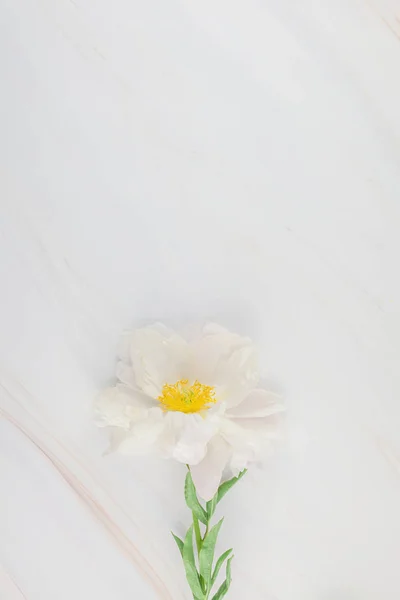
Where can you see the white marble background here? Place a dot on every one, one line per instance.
(186, 160)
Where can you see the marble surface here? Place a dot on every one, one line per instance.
(190, 160)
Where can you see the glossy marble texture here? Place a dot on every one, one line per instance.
(185, 160)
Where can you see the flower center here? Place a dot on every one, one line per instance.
(183, 397)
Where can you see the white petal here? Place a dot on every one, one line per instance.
(186, 436)
(236, 435)
(144, 434)
(207, 474)
(159, 356)
(240, 460)
(249, 438)
(212, 345)
(118, 406)
(245, 444)
(263, 427)
(258, 403)
(227, 361)
(116, 435)
(125, 374)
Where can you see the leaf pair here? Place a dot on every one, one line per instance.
(194, 578)
(224, 587)
(219, 564)
(201, 576)
(193, 502)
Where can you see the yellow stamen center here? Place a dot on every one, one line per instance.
(183, 397)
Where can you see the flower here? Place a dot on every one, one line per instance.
(193, 400)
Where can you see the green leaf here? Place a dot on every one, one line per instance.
(197, 532)
(228, 572)
(190, 566)
(203, 585)
(192, 501)
(218, 566)
(226, 486)
(223, 589)
(179, 542)
(211, 505)
(207, 553)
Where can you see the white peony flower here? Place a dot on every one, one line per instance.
(193, 400)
